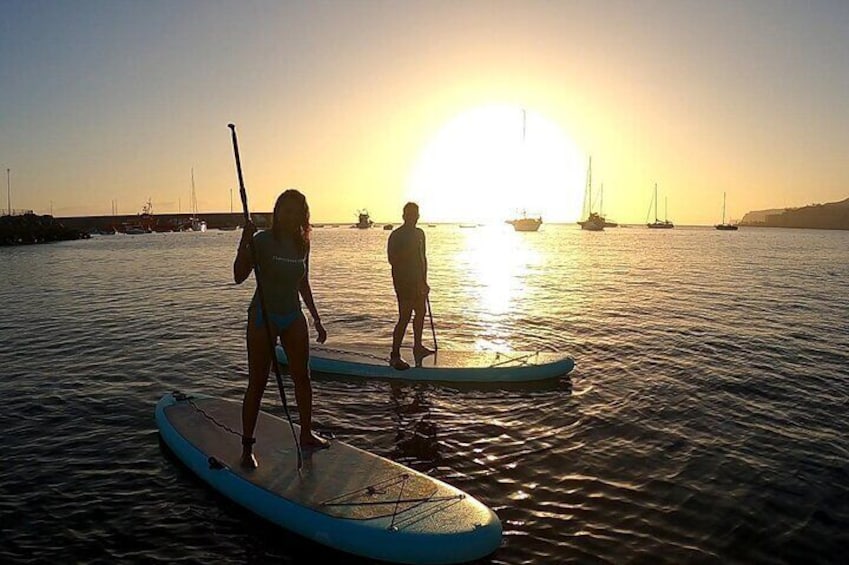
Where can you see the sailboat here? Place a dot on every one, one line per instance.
(723, 226)
(665, 224)
(594, 221)
(525, 222)
(197, 223)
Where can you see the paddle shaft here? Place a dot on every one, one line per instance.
(266, 319)
(432, 328)
(422, 260)
(422, 270)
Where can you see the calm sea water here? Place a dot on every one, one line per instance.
(705, 421)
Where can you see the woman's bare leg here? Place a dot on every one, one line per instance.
(295, 341)
(259, 362)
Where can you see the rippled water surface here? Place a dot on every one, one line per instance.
(705, 421)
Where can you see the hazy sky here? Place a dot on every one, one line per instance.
(366, 104)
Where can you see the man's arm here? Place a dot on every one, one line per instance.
(421, 248)
(424, 256)
(391, 252)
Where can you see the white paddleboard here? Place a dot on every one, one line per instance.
(442, 366)
(343, 497)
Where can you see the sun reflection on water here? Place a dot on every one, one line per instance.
(495, 261)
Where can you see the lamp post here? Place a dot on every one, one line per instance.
(9, 189)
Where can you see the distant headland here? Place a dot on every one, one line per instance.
(830, 216)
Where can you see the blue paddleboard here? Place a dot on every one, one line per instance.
(443, 366)
(343, 497)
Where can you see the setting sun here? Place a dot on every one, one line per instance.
(494, 162)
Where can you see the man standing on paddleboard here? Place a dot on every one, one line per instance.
(408, 257)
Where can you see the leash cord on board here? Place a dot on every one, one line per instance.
(180, 396)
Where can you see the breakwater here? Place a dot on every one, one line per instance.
(161, 222)
(29, 228)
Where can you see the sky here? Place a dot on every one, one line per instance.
(477, 110)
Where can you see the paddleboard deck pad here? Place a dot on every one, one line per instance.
(443, 366)
(342, 497)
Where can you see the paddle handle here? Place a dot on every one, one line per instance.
(242, 192)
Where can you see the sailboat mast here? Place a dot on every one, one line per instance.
(524, 124)
(723, 207)
(194, 198)
(656, 219)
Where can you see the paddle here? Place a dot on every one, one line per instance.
(427, 298)
(261, 296)
(432, 329)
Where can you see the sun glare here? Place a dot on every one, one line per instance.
(492, 265)
(494, 162)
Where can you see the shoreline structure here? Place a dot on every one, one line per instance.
(26, 227)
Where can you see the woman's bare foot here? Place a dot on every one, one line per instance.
(397, 363)
(421, 352)
(312, 442)
(248, 460)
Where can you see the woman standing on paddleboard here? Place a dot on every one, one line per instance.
(283, 268)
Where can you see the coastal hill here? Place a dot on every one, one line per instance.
(830, 216)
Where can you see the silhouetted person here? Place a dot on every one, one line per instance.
(283, 254)
(408, 257)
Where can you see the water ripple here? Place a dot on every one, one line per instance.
(703, 423)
